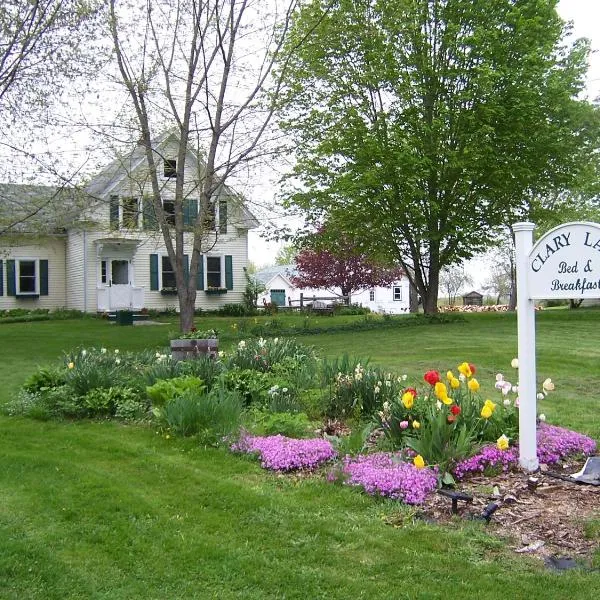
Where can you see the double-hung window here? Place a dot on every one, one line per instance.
(167, 274)
(214, 272)
(27, 277)
(397, 293)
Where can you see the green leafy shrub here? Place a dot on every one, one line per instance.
(166, 390)
(44, 378)
(251, 385)
(294, 425)
(130, 409)
(107, 401)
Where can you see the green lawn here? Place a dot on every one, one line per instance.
(101, 510)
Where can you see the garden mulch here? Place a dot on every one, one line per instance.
(547, 520)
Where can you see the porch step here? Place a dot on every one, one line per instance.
(112, 316)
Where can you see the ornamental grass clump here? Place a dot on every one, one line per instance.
(280, 453)
(385, 474)
(262, 354)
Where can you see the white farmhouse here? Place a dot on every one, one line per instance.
(280, 290)
(102, 251)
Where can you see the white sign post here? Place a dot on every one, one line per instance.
(564, 264)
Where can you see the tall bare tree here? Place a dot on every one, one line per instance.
(203, 68)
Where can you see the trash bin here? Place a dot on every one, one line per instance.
(124, 317)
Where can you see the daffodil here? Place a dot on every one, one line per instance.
(418, 461)
(502, 442)
(71, 365)
(416, 424)
(514, 363)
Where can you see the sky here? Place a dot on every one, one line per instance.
(585, 15)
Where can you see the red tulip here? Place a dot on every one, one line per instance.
(455, 409)
(432, 377)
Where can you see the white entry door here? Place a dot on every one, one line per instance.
(120, 284)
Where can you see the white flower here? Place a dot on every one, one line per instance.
(506, 387)
(275, 340)
(462, 377)
(515, 389)
(83, 352)
(158, 355)
(388, 383)
(542, 417)
(284, 390)
(514, 363)
(241, 345)
(499, 377)
(221, 354)
(439, 405)
(404, 377)
(548, 386)
(261, 342)
(386, 406)
(540, 396)
(377, 389)
(103, 350)
(117, 361)
(116, 351)
(507, 402)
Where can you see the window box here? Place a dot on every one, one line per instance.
(215, 291)
(27, 296)
(168, 292)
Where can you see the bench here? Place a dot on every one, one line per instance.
(318, 306)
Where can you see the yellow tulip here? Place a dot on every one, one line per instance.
(408, 400)
(465, 369)
(416, 424)
(454, 383)
(486, 412)
(440, 390)
(473, 384)
(502, 442)
(450, 376)
(446, 400)
(418, 461)
(491, 405)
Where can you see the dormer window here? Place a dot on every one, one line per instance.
(170, 168)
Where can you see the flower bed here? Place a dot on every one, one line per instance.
(554, 444)
(280, 453)
(384, 474)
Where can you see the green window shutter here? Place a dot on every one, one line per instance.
(1, 278)
(190, 211)
(43, 277)
(154, 271)
(11, 278)
(114, 212)
(200, 274)
(186, 268)
(150, 221)
(229, 272)
(223, 216)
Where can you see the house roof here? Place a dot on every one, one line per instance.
(473, 294)
(120, 169)
(286, 271)
(39, 208)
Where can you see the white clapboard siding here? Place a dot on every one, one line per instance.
(51, 249)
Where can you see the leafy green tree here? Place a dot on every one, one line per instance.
(286, 255)
(420, 126)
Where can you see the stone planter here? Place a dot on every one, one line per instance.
(189, 349)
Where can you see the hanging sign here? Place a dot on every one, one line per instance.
(565, 263)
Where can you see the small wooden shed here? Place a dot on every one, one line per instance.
(473, 299)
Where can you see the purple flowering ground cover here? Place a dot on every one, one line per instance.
(554, 444)
(280, 453)
(380, 474)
